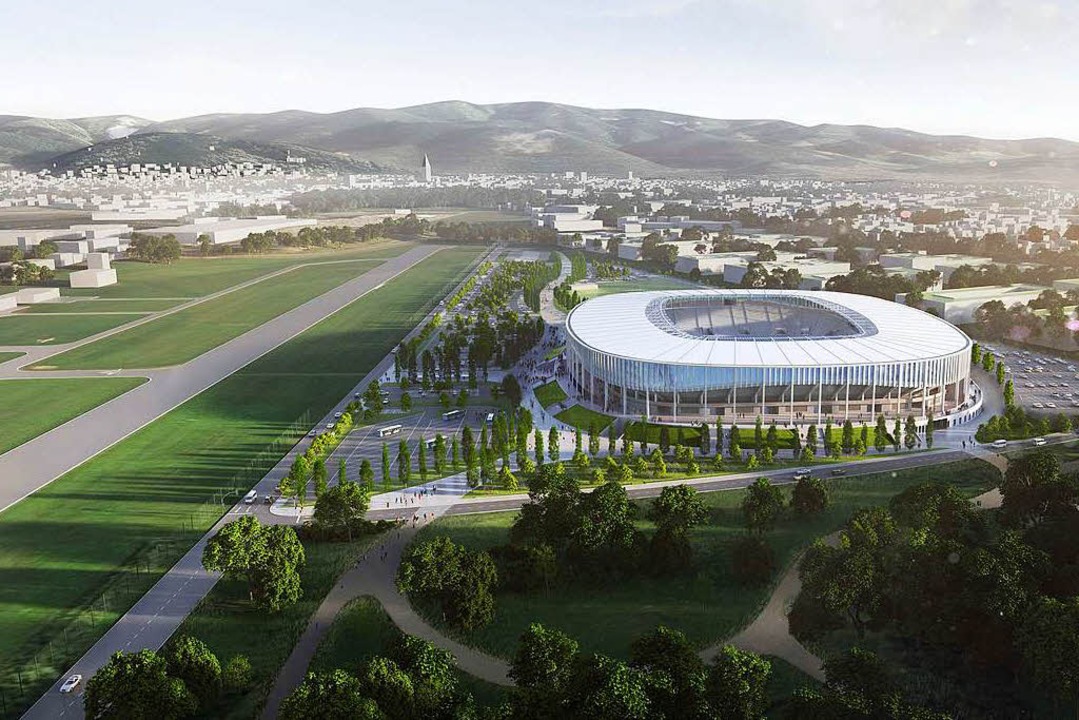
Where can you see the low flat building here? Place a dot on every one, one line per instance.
(35, 295)
(958, 306)
(231, 230)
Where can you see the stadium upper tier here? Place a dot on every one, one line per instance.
(789, 353)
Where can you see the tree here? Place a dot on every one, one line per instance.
(735, 443)
(190, 660)
(848, 437)
(705, 443)
(404, 463)
(237, 550)
(541, 669)
(737, 684)
(1048, 641)
(664, 439)
(538, 449)
(421, 456)
(811, 439)
(552, 444)
(810, 497)
(237, 674)
(659, 465)
(511, 389)
(910, 435)
(677, 509)
(897, 434)
(593, 440)
(880, 434)
(600, 688)
(1009, 394)
(386, 464)
(406, 402)
(277, 583)
(929, 420)
(319, 475)
(137, 685)
(334, 695)
(753, 562)
(762, 506)
(341, 506)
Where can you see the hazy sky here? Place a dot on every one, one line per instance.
(1002, 68)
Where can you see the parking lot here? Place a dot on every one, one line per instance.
(1044, 383)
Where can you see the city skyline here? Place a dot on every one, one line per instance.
(989, 68)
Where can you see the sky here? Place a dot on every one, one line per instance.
(994, 68)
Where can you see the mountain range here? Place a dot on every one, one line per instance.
(546, 137)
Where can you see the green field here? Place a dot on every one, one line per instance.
(180, 336)
(226, 622)
(195, 277)
(94, 305)
(609, 287)
(363, 630)
(5, 356)
(550, 393)
(55, 329)
(62, 545)
(32, 407)
(582, 417)
(707, 605)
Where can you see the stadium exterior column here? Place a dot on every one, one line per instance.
(792, 397)
(846, 410)
(820, 395)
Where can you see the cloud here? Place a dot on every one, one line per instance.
(631, 9)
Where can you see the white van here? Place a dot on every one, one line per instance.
(1000, 444)
(1039, 441)
(250, 497)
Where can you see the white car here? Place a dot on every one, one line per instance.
(1038, 405)
(1050, 405)
(71, 683)
(337, 416)
(1039, 441)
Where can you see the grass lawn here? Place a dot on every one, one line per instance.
(95, 305)
(582, 417)
(363, 630)
(192, 277)
(54, 329)
(226, 622)
(608, 287)
(550, 393)
(188, 333)
(60, 547)
(32, 407)
(5, 356)
(707, 604)
(554, 352)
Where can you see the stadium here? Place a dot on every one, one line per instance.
(795, 357)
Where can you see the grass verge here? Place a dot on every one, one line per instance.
(32, 407)
(57, 329)
(550, 393)
(581, 417)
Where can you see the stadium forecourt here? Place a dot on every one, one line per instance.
(795, 357)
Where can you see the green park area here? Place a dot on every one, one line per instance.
(705, 602)
(21, 329)
(550, 393)
(180, 336)
(6, 356)
(230, 625)
(32, 407)
(581, 417)
(118, 521)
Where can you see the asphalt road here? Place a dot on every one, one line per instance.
(38, 462)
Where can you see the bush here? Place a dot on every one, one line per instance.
(237, 674)
(753, 562)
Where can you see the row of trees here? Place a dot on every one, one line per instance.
(986, 601)
(154, 249)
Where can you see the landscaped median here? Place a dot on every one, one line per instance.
(579, 416)
(62, 544)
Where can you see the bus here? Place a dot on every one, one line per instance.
(430, 443)
(490, 418)
(452, 414)
(389, 430)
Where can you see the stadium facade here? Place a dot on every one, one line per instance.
(795, 357)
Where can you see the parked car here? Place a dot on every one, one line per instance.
(71, 683)
(1039, 441)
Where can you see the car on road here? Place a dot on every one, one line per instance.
(337, 416)
(329, 426)
(839, 471)
(999, 444)
(802, 474)
(71, 683)
(1039, 441)
(313, 433)
(250, 497)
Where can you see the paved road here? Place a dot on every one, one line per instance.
(45, 458)
(157, 615)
